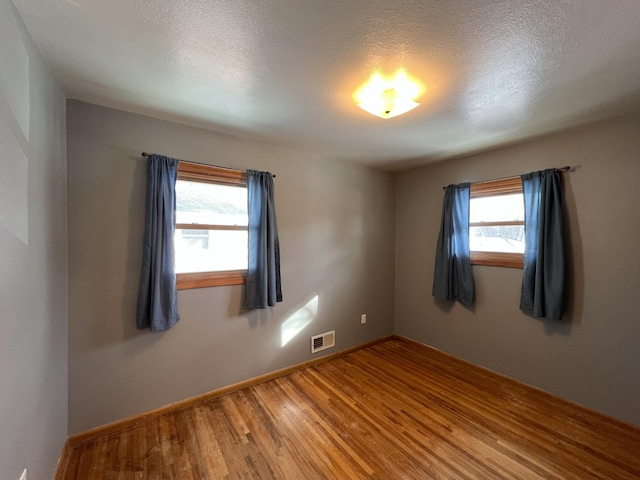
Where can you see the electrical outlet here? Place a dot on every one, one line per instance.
(363, 318)
(24, 475)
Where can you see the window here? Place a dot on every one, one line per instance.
(211, 226)
(496, 223)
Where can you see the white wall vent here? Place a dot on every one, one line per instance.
(323, 341)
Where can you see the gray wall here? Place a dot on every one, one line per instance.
(593, 356)
(33, 257)
(336, 224)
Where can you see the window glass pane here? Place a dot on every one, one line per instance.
(210, 250)
(497, 239)
(210, 204)
(497, 208)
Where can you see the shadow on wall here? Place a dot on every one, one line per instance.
(574, 293)
(445, 306)
(15, 127)
(135, 229)
(575, 270)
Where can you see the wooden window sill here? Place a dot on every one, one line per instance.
(498, 259)
(186, 281)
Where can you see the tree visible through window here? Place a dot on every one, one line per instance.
(496, 223)
(211, 226)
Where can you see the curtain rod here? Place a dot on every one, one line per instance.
(145, 154)
(566, 168)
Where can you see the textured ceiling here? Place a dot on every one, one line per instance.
(284, 71)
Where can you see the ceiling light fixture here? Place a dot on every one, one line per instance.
(388, 97)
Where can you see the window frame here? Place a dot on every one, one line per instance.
(493, 188)
(195, 172)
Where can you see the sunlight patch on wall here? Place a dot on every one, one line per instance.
(298, 320)
(14, 199)
(14, 81)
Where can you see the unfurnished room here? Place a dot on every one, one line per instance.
(278, 239)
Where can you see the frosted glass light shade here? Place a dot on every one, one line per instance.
(387, 98)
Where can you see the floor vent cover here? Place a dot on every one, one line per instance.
(323, 341)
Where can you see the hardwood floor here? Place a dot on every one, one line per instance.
(396, 410)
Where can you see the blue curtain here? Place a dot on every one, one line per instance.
(263, 275)
(543, 281)
(453, 276)
(157, 296)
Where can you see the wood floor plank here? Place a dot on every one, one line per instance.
(290, 447)
(394, 410)
(112, 445)
(86, 460)
(373, 435)
(213, 461)
(438, 413)
(386, 416)
(169, 447)
(323, 424)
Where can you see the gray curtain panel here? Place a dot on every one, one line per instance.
(543, 281)
(453, 275)
(157, 297)
(263, 275)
